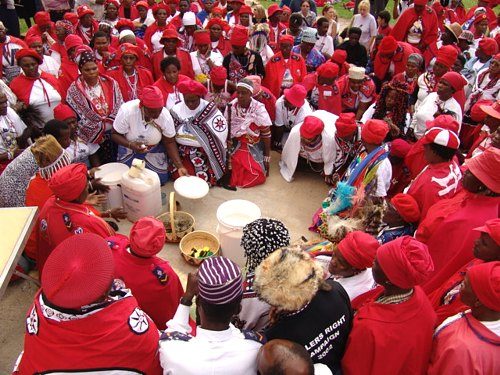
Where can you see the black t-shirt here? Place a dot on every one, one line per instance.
(356, 54)
(322, 327)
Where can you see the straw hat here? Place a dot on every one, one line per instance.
(357, 73)
(455, 29)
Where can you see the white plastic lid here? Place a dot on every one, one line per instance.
(191, 187)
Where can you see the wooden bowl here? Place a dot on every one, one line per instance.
(198, 239)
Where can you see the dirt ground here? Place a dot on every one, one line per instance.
(293, 203)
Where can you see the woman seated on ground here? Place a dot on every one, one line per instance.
(170, 67)
(392, 107)
(143, 129)
(201, 134)
(250, 124)
(414, 67)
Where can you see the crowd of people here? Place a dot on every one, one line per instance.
(400, 118)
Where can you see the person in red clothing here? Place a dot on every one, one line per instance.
(418, 26)
(285, 68)
(446, 300)
(468, 343)
(323, 90)
(151, 279)
(153, 34)
(339, 57)
(276, 28)
(87, 25)
(128, 10)
(171, 47)
(490, 117)
(440, 178)
(131, 78)
(264, 95)
(44, 28)
(217, 28)
(400, 172)
(64, 214)
(383, 19)
(69, 71)
(398, 306)
(447, 229)
(490, 14)
(81, 320)
(170, 67)
(357, 91)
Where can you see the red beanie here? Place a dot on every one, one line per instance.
(192, 87)
(42, 18)
(456, 80)
(407, 207)
(202, 37)
(346, 124)
(328, 70)
(286, 39)
(63, 112)
(28, 52)
(69, 182)
(339, 56)
(359, 249)
(78, 272)
(485, 283)
(489, 46)
(311, 127)
(447, 55)
(218, 75)
(374, 131)
(444, 122)
(152, 97)
(239, 37)
(405, 261)
(399, 148)
(388, 45)
(147, 237)
(492, 227)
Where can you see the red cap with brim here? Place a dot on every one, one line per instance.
(491, 227)
(442, 137)
(476, 112)
(311, 127)
(296, 95)
(485, 167)
(492, 110)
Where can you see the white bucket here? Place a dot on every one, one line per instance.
(233, 215)
(111, 175)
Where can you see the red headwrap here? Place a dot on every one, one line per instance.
(116, 3)
(447, 55)
(311, 127)
(388, 45)
(78, 272)
(485, 167)
(405, 261)
(273, 8)
(245, 9)
(407, 207)
(33, 39)
(169, 33)
(479, 18)
(63, 112)
(218, 75)
(124, 23)
(346, 124)
(142, 3)
(217, 21)
(42, 18)
(202, 37)
(339, 56)
(152, 97)
(485, 282)
(28, 52)
(286, 39)
(489, 46)
(192, 87)
(476, 113)
(72, 41)
(239, 37)
(359, 249)
(147, 237)
(71, 17)
(399, 148)
(129, 49)
(83, 10)
(69, 182)
(328, 70)
(296, 95)
(445, 122)
(159, 6)
(492, 227)
(420, 2)
(456, 80)
(374, 131)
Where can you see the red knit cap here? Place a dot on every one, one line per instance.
(456, 80)
(339, 56)
(444, 122)
(151, 97)
(476, 112)
(202, 37)
(485, 282)
(124, 23)
(405, 261)
(32, 40)
(407, 207)
(42, 18)
(359, 249)
(399, 148)
(218, 75)
(346, 124)
(286, 39)
(63, 112)
(485, 167)
(447, 55)
(311, 127)
(489, 46)
(69, 182)
(388, 45)
(296, 95)
(374, 131)
(28, 52)
(147, 237)
(192, 87)
(78, 272)
(491, 227)
(328, 70)
(239, 37)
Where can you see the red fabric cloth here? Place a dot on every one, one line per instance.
(415, 159)
(246, 171)
(484, 280)
(427, 188)
(68, 73)
(376, 333)
(374, 131)
(166, 88)
(192, 87)
(53, 229)
(267, 98)
(147, 237)
(346, 124)
(400, 178)
(35, 31)
(384, 31)
(152, 281)
(400, 58)
(184, 59)
(311, 127)
(134, 13)
(448, 232)
(69, 182)
(359, 249)
(22, 85)
(275, 69)
(407, 207)
(465, 346)
(328, 96)
(143, 75)
(224, 46)
(80, 344)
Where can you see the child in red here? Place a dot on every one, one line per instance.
(151, 279)
(383, 19)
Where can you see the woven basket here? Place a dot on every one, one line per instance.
(198, 239)
(168, 220)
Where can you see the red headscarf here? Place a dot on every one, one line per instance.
(147, 237)
(346, 124)
(407, 207)
(152, 97)
(311, 127)
(192, 87)
(485, 282)
(69, 182)
(374, 131)
(359, 249)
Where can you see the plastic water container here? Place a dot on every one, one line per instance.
(142, 194)
(232, 216)
(111, 175)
